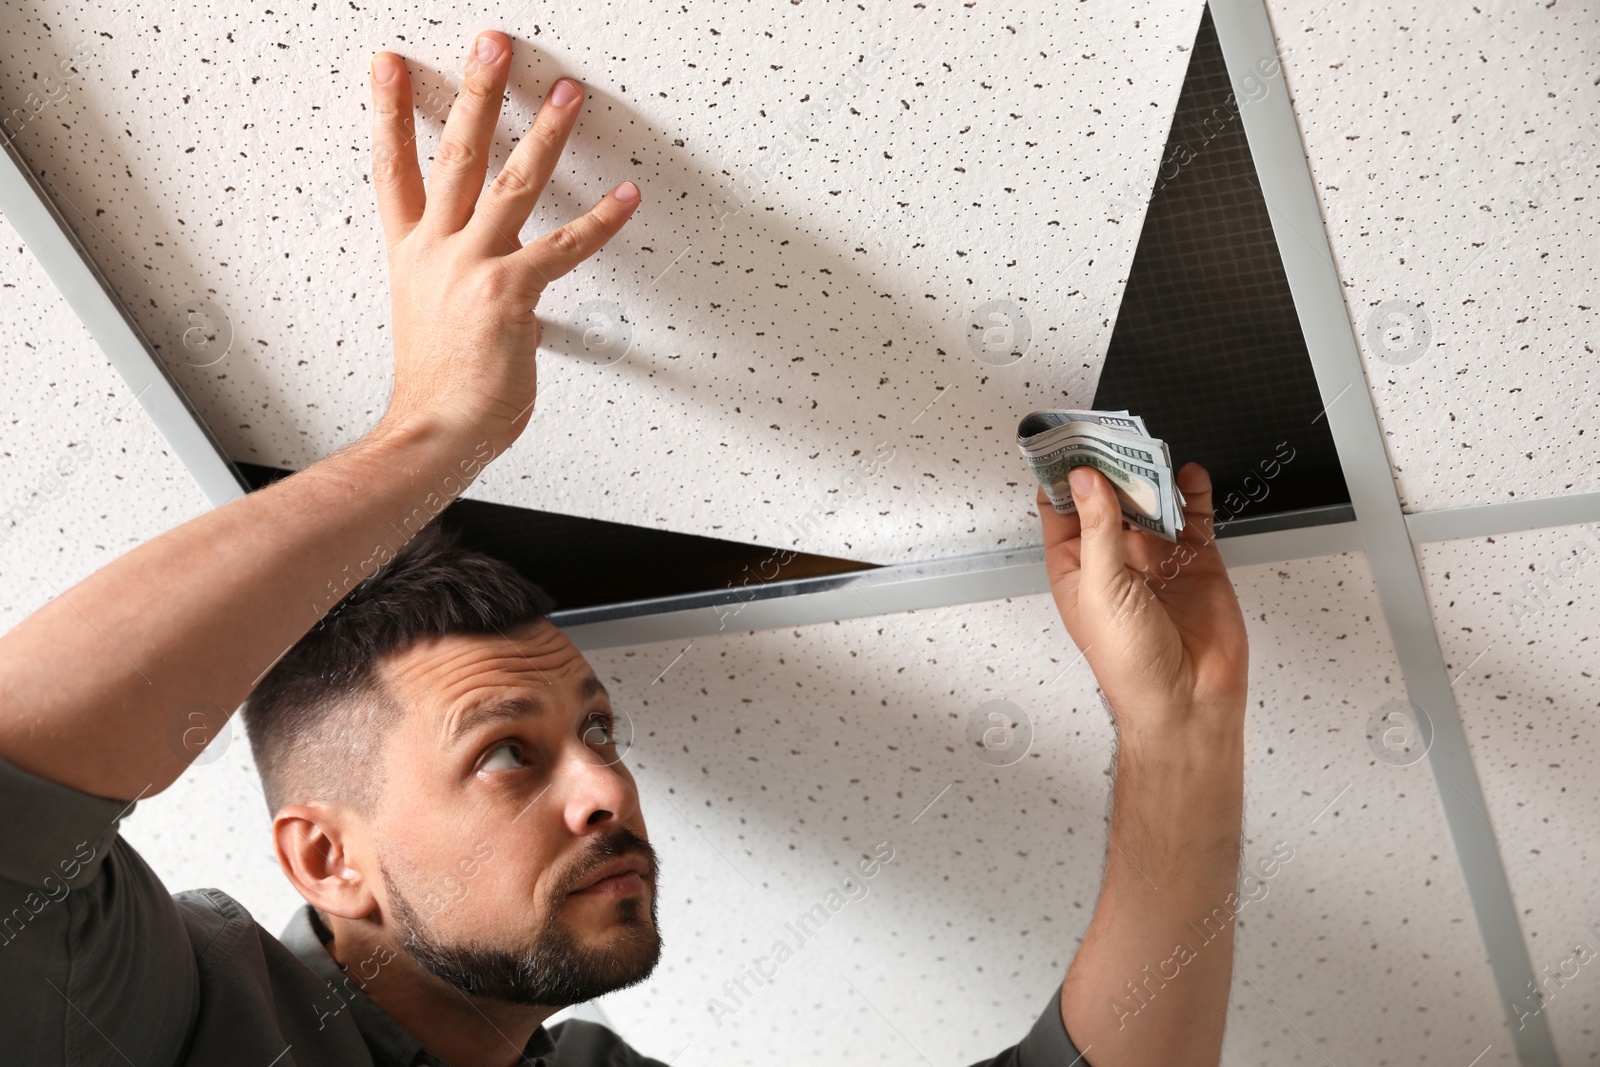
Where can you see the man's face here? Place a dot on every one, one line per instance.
(509, 838)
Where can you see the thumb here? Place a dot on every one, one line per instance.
(1100, 515)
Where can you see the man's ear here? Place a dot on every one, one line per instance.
(314, 846)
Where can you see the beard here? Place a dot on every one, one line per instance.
(554, 969)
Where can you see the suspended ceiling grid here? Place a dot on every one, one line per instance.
(1312, 784)
(1458, 661)
(784, 319)
(1315, 641)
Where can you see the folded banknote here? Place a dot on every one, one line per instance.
(1115, 443)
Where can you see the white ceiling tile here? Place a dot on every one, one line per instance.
(1371, 948)
(783, 328)
(84, 475)
(1455, 156)
(1519, 615)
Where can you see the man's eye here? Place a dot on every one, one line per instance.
(598, 732)
(495, 763)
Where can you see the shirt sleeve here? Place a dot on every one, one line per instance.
(1046, 1045)
(95, 962)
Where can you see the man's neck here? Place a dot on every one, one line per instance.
(464, 1031)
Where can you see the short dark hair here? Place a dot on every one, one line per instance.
(318, 720)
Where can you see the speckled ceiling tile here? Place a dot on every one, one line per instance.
(831, 192)
(1373, 949)
(1519, 615)
(84, 474)
(1455, 154)
(770, 763)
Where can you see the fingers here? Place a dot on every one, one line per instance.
(1057, 527)
(395, 175)
(1100, 519)
(1198, 514)
(462, 159)
(504, 207)
(557, 252)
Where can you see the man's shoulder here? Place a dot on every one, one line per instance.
(580, 1043)
(223, 935)
(229, 944)
(222, 931)
(261, 987)
(209, 911)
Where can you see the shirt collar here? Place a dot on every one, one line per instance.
(391, 1044)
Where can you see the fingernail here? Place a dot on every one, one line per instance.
(627, 192)
(1081, 480)
(488, 48)
(384, 68)
(563, 94)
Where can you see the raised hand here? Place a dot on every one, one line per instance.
(463, 287)
(1161, 628)
(1159, 624)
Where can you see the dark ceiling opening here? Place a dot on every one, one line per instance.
(1207, 346)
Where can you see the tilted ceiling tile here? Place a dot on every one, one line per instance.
(832, 196)
(1520, 618)
(1455, 157)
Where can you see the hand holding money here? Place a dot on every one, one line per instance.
(1160, 627)
(1116, 444)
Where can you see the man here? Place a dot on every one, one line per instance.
(446, 793)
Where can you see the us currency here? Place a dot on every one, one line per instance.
(1118, 445)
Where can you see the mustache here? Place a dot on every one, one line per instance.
(614, 845)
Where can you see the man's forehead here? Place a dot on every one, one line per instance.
(441, 671)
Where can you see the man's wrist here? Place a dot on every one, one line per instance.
(1194, 732)
(416, 437)
(429, 448)
(1189, 780)
(403, 472)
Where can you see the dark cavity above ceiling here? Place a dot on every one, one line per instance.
(1207, 346)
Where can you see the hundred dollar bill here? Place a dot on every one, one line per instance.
(1038, 427)
(1117, 444)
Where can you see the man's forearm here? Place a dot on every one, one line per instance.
(97, 686)
(1150, 982)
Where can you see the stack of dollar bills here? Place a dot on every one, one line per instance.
(1116, 444)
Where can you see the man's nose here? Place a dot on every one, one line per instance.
(598, 791)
